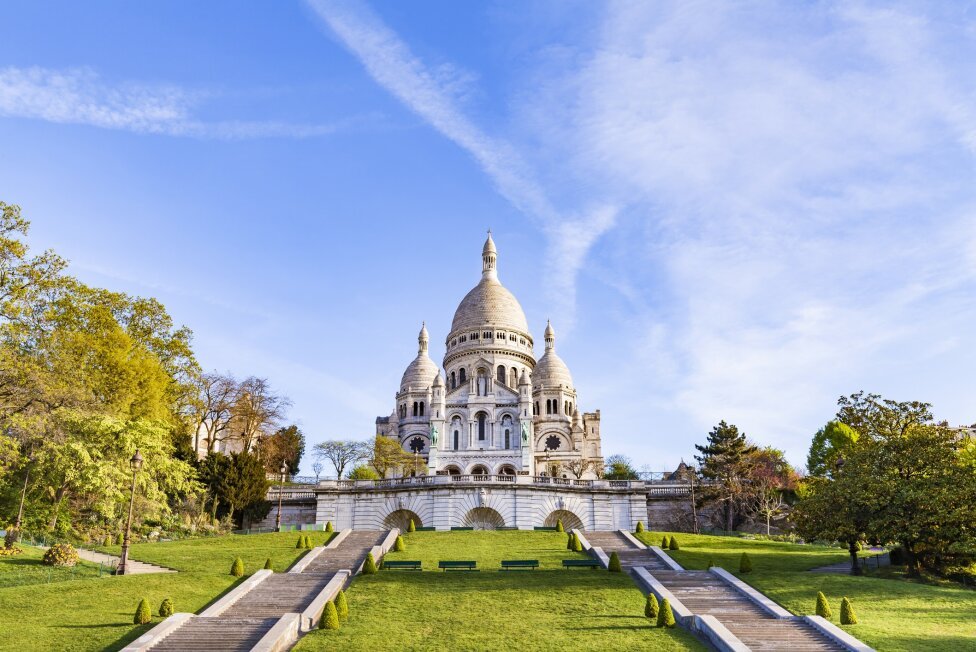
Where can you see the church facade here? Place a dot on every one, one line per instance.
(492, 408)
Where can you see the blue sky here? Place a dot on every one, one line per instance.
(729, 212)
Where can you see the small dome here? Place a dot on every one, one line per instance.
(489, 247)
(438, 380)
(551, 371)
(550, 332)
(420, 373)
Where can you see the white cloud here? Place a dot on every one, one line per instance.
(80, 96)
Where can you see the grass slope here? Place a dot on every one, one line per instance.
(96, 614)
(26, 569)
(547, 609)
(894, 614)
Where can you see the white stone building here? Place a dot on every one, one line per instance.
(495, 409)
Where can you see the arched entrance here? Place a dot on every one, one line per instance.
(483, 518)
(506, 469)
(479, 469)
(570, 520)
(453, 470)
(401, 519)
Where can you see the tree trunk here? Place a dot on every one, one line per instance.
(58, 497)
(768, 517)
(855, 565)
(912, 565)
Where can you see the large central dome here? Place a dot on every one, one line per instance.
(489, 303)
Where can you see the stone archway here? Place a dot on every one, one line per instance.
(570, 520)
(506, 469)
(401, 519)
(453, 469)
(480, 469)
(483, 518)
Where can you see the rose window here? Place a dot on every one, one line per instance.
(552, 442)
(417, 444)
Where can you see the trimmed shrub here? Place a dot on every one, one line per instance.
(60, 554)
(143, 613)
(412, 527)
(268, 565)
(847, 615)
(745, 564)
(577, 544)
(559, 525)
(12, 551)
(711, 564)
(328, 527)
(308, 542)
(342, 606)
(369, 567)
(664, 542)
(651, 607)
(665, 617)
(237, 568)
(120, 539)
(640, 527)
(301, 542)
(166, 608)
(569, 540)
(399, 545)
(108, 541)
(674, 544)
(330, 617)
(11, 538)
(823, 607)
(614, 565)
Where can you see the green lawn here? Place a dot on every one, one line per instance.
(96, 614)
(547, 609)
(26, 568)
(894, 614)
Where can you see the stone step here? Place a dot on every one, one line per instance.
(220, 633)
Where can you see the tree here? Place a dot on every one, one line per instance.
(579, 467)
(363, 472)
(342, 453)
(317, 469)
(725, 460)
(388, 457)
(285, 445)
(217, 395)
(257, 411)
(770, 478)
(619, 467)
(831, 442)
(243, 487)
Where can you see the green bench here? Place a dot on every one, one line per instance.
(539, 528)
(426, 529)
(458, 565)
(519, 564)
(581, 563)
(402, 565)
(460, 529)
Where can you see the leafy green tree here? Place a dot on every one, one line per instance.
(830, 443)
(285, 445)
(388, 458)
(363, 472)
(726, 461)
(244, 487)
(619, 467)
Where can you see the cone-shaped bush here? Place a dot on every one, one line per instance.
(369, 567)
(640, 527)
(614, 565)
(237, 568)
(166, 608)
(330, 617)
(328, 527)
(651, 607)
(665, 617)
(823, 607)
(308, 542)
(301, 541)
(745, 564)
(342, 607)
(559, 525)
(412, 527)
(120, 539)
(847, 615)
(143, 613)
(399, 545)
(268, 565)
(711, 564)
(674, 544)
(569, 540)
(577, 544)
(664, 542)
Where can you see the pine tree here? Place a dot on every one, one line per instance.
(166, 608)
(237, 568)
(412, 527)
(640, 527)
(614, 565)
(559, 525)
(725, 461)
(665, 617)
(823, 607)
(330, 616)
(745, 564)
(342, 606)
(268, 565)
(847, 615)
(369, 566)
(399, 545)
(328, 527)
(143, 613)
(651, 607)
(674, 544)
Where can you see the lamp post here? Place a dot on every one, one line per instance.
(281, 488)
(135, 464)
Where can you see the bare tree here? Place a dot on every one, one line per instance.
(579, 467)
(214, 408)
(257, 410)
(342, 453)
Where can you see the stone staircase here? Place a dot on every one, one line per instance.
(705, 594)
(245, 622)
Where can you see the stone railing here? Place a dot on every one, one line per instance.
(468, 479)
(291, 493)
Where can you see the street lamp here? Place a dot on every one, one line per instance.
(281, 489)
(135, 464)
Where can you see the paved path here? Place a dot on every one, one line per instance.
(243, 624)
(706, 594)
(135, 567)
(844, 567)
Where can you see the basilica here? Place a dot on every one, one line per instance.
(494, 410)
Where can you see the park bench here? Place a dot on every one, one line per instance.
(401, 565)
(540, 528)
(459, 529)
(519, 564)
(429, 528)
(581, 563)
(458, 565)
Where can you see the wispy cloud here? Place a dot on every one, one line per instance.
(81, 96)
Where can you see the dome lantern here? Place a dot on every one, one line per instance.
(489, 258)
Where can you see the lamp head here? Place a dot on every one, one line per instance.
(136, 462)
